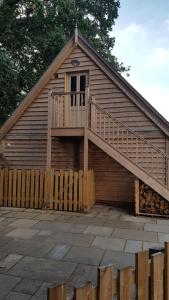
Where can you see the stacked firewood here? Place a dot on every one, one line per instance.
(151, 202)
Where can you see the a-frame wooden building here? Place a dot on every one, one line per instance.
(82, 114)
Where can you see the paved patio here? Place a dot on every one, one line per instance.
(43, 248)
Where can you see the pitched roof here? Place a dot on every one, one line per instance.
(123, 84)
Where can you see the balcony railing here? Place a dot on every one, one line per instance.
(68, 109)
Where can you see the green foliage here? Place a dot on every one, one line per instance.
(32, 32)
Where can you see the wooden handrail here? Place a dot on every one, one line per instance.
(129, 129)
(128, 143)
(67, 93)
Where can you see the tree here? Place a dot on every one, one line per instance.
(32, 32)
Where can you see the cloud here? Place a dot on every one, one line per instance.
(156, 94)
(147, 52)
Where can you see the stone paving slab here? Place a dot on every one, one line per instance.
(156, 228)
(24, 223)
(22, 233)
(162, 237)
(83, 255)
(28, 286)
(46, 217)
(69, 238)
(82, 274)
(109, 243)
(78, 228)
(53, 226)
(137, 235)
(58, 252)
(26, 247)
(127, 217)
(133, 246)
(97, 230)
(22, 215)
(41, 294)
(9, 261)
(148, 245)
(17, 296)
(118, 259)
(43, 269)
(125, 224)
(6, 284)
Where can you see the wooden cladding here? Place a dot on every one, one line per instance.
(149, 280)
(59, 190)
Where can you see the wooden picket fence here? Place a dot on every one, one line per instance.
(149, 280)
(59, 190)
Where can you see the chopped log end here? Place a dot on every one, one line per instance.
(152, 203)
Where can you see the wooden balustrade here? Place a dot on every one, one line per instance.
(68, 110)
(137, 149)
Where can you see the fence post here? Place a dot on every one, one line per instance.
(157, 278)
(105, 283)
(125, 284)
(57, 293)
(142, 275)
(85, 292)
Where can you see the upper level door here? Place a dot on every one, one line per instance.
(76, 100)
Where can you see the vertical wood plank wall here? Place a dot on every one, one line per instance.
(25, 144)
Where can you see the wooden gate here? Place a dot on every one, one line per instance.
(59, 190)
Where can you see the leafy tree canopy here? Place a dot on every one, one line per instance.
(32, 32)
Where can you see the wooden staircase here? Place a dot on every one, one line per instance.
(127, 148)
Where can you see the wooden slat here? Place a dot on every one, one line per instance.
(142, 272)
(65, 206)
(105, 284)
(6, 188)
(51, 191)
(28, 174)
(167, 271)
(14, 187)
(23, 192)
(46, 189)
(157, 277)
(70, 208)
(10, 187)
(32, 194)
(57, 293)
(125, 284)
(1, 187)
(19, 189)
(41, 191)
(80, 196)
(75, 191)
(56, 190)
(37, 177)
(86, 292)
(61, 190)
(137, 192)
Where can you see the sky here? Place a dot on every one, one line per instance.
(142, 42)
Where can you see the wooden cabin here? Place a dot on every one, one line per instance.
(82, 114)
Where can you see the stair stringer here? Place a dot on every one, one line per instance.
(129, 165)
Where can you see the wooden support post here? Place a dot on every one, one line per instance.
(136, 191)
(167, 163)
(85, 167)
(93, 114)
(49, 138)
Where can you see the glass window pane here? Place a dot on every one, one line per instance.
(73, 83)
(82, 83)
